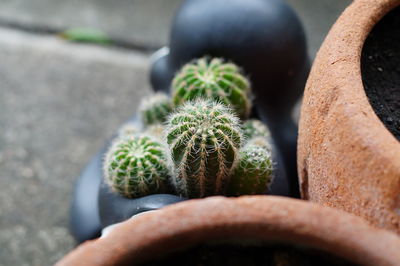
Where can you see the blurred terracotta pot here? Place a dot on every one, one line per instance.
(263, 218)
(347, 157)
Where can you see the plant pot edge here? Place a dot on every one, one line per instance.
(261, 217)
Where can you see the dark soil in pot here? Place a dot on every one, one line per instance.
(380, 67)
(232, 255)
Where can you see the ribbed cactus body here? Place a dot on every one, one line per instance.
(204, 138)
(136, 166)
(213, 79)
(253, 173)
(255, 128)
(155, 108)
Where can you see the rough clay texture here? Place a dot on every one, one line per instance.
(346, 156)
(263, 218)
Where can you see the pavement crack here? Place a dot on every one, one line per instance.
(114, 41)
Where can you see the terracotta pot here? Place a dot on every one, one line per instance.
(347, 157)
(262, 218)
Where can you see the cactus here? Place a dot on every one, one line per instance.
(255, 128)
(261, 142)
(204, 138)
(128, 129)
(136, 166)
(253, 173)
(213, 79)
(257, 133)
(155, 108)
(156, 130)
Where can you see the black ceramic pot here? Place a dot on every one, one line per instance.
(95, 206)
(265, 38)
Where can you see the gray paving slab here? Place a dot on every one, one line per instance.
(142, 21)
(59, 103)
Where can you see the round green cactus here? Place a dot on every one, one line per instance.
(213, 79)
(155, 108)
(255, 128)
(156, 130)
(128, 129)
(261, 142)
(204, 138)
(136, 166)
(253, 173)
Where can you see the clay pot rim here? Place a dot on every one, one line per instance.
(349, 42)
(268, 218)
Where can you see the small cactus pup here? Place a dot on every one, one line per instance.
(136, 166)
(216, 79)
(254, 172)
(156, 130)
(261, 142)
(204, 138)
(255, 128)
(128, 129)
(257, 133)
(155, 108)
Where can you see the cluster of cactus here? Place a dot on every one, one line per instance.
(194, 141)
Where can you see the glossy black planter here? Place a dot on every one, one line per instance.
(84, 221)
(113, 208)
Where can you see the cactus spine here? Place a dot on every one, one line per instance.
(136, 166)
(155, 108)
(204, 138)
(253, 173)
(213, 79)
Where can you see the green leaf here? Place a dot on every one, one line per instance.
(85, 35)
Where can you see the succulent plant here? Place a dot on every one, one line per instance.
(156, 130)
(253, 173)
(204, 137)
(136, 166)
(261, 142)
(214, 79)
(255, 128)
(155, 108)
(128, 129)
